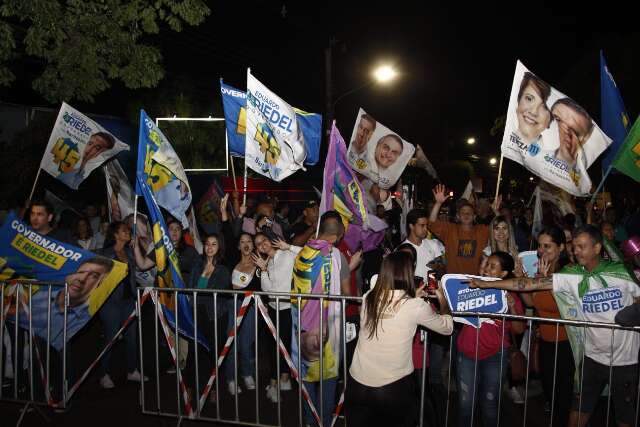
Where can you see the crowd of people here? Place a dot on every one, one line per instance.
(259, 246)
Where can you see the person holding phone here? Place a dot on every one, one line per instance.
(275, 259)
(382, 387)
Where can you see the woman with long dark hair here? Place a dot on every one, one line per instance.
(382, 388)
(83, 234)
(121, 302)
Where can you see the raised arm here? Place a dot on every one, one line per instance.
(440, 197)
(520, 284)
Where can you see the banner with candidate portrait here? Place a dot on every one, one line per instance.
(472, 300)
(77, 146)
(119, 191)
(550, 134)
(234, 103)
(26, 254)
(162, 170)
(274, 142)
(377, 152)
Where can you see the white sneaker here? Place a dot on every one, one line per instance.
(135, 376)
(272, 393)
(515, 395)
(249, 383)
(285, 385)
(106, 382)
(233, 388)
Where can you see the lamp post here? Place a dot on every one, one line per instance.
(381, 75)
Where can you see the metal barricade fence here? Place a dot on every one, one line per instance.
(33, 315)
(229, 408)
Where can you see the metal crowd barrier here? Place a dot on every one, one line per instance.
(251, 411)
(33, 374)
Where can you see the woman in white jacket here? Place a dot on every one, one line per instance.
(381, 390)
(275, 276)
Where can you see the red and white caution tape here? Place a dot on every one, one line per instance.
(170, 342)
(227, 346)
(285, 353)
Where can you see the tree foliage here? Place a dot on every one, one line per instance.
(84, 45)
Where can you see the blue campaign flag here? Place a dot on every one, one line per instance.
(462, 298)
(160, 168)
(234, 104)
(168, 275)
(615, 121)
(91, 279)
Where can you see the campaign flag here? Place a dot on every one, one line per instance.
(160, 168)
(529, 260)
(377, 152)
(208, 207)
(26, 254)
(342, 192)
(274, 143)
(119, 191)
(550, 134)
(615, 121)
(627, 160)
(77, 146)
(59, 205)
(168, 275)
(463, 298)
(234, 103)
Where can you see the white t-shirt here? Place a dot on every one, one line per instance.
(428, 250)
(601, 304)
(279, 275)
(386, 357)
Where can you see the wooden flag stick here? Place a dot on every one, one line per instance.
(233, 173)
(499, 176)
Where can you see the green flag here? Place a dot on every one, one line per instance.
(627, 160)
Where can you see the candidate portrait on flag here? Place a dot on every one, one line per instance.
(77, 146)
(550, 134)
(377, 152)
(90, 279)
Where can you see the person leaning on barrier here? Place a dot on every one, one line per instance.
(602, 290)
(382, 388)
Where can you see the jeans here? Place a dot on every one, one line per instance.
(113, 313)
(480, 393)
(328, 400)
(245, 339)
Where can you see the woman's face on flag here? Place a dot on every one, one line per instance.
(533, 114)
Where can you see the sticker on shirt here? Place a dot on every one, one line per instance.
(602, 301)
(462, 298)
(467, 248)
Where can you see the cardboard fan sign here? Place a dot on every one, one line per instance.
(377, 152)
(550, 134)
(472, 300)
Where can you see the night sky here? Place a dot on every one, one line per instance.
(457, 61)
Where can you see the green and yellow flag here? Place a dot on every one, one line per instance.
(627, 160)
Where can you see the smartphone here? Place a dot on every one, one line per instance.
(450, 193)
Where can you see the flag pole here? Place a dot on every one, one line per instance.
(244, 200)
(499, 176)
(606, 174)
(33, 189)
(233, 173)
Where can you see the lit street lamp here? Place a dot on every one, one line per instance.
(471, 141)
(493, 161)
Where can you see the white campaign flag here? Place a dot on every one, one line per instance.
(77, 146)
(119, 191)
(274, 144)
(550, 134)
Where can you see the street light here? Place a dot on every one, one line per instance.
(384, 74)
(471, 141)
(493, 161)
